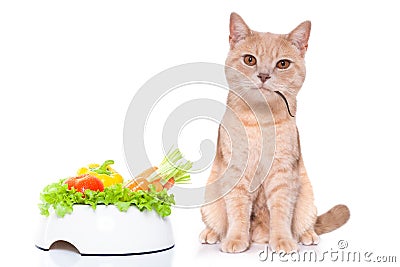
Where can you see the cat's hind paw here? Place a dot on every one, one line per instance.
(309, 238)
(208, 236)
(260, 234)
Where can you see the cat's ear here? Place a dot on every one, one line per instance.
(238, 29)
(299, 36)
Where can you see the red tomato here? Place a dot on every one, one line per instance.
(85, 181)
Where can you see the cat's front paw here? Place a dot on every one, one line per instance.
(234, 245)
(208, 236)
(286, 245)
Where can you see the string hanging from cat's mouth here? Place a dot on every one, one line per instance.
(286, 102)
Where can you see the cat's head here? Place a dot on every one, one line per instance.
(271, 62)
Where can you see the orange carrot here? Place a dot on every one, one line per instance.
(146, 173)
(157, 185)
(170, 183)
(138, 184)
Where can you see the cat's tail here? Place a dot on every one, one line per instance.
(332, 219)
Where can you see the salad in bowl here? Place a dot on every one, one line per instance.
(101, 214)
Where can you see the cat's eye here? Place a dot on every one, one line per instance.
(249, 60)
(283, 64)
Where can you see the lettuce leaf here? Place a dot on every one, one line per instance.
(61, 199)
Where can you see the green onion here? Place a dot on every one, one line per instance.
(174, 166)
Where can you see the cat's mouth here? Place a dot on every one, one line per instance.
(281, 95)
(263, 87)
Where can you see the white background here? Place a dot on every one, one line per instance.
(69, 69)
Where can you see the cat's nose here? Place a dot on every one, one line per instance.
(263, 77)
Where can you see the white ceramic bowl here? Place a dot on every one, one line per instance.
(107, 231)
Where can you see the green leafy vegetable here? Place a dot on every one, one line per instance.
(61, 199)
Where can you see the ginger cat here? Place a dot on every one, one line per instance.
(280, 211)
